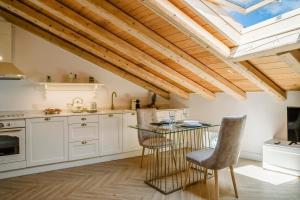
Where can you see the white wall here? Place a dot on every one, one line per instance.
(266, 117)
(38, 58)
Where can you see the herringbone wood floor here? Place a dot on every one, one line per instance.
(123, 179)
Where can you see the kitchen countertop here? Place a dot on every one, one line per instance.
(66, 113)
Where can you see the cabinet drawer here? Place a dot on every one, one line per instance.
(83, 131)
(83, 149)
(82, 119)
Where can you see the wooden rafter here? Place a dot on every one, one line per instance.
(292, 59)
(252, 73)
(100, 35)
(86, 44)
(165, 8)
(81, 53)
(209, 41)
(147, 36)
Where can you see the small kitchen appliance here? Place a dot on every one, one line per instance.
(77, 105)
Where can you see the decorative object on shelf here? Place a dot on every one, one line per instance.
(48, 79)
(91, 79)
(77, 105)
(72, 77)
(152, 100)
(92, 107)
(51, 111)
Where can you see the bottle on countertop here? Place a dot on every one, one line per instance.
(137, 105)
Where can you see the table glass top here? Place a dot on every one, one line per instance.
(170, 128)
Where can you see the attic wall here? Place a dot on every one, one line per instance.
(38, 58)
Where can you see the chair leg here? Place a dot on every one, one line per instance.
(216, 184)
(233, 182)
(205, 175)
(187, 174)
(143, 152)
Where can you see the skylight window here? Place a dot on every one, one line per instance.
(271, 10)
(245, 3)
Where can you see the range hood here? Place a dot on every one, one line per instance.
(8, 71)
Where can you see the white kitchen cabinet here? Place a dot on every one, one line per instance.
(110, 134)
(83, 149)
(46, 140)
(130, 135)
(83, 131)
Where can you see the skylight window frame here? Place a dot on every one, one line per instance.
(282, 34)
(240, 8)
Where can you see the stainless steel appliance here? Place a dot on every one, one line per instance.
(12, 141)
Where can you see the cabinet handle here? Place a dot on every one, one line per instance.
(83, 119)
(83, 141)
(110, 115)
(47, 119)
(132, 113)
(83, 124)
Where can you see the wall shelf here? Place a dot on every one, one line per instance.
(70, 86)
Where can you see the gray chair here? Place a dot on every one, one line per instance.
(225, 154)
(146, 138)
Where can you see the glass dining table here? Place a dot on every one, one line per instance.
(166, 149)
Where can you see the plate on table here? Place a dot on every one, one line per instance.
(191, 123)
(160, 123)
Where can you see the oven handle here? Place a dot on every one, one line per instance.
(11, 130)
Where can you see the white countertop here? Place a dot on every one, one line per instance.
(66, 113)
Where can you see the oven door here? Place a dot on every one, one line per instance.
(12, 145)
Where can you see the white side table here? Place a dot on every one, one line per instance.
(281, 157)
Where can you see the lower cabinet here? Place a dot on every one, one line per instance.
(130, 135)
(83, 137)
(110, 134)
(46, 140)
(83, 149)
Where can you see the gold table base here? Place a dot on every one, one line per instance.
(166, 163)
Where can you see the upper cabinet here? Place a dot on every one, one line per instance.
(5, 42)
(46, 140)
(111, 134)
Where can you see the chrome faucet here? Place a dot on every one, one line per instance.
(112, 100)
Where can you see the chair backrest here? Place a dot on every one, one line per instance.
(144, 118)
(228, 147)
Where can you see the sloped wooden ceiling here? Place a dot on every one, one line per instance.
(134, 42)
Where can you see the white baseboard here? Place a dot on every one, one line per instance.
(67, 164)
(251, 155)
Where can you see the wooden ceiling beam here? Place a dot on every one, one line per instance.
(81, 53)
(98, 34)
(126, 23)
(252, 73)
(292, 58)
(167, 9)
(52, 26)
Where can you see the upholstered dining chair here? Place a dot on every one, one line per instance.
(225, 154)
(146, 138)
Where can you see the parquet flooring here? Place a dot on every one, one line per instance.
(123, 179)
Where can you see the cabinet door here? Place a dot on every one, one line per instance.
(83, 131)
(130, 135)
(46, 140)
(83, 149)
(110, 134)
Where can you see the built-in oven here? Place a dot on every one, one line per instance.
(12, 141)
